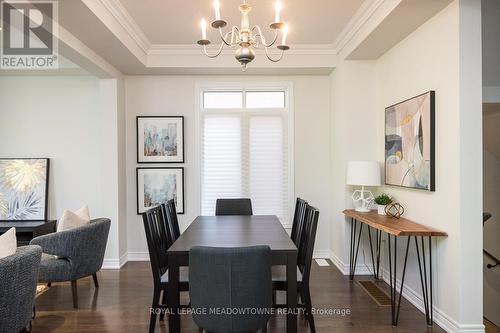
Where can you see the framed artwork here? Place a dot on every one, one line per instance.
(23, 189)
(157, 185)
(409, 143)
(160, 139)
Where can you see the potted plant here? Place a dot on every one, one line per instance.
(382, 201)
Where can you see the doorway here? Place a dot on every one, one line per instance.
(491, 163)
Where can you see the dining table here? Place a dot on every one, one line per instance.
(234, 231)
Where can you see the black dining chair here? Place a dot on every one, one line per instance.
(159, 240)
(238, 279)
(170, 214)
(304, 263)
(241, 206)
(298, 220)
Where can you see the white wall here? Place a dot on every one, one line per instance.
(353, 138)
(442, 55)
(171, 95)
(56, 117)
(398, 80)
(112, 161)
(64, 118)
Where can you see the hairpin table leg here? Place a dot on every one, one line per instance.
(395, 301)
(426, 280)
(353, 255)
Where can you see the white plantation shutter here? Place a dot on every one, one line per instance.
(245, 154)
(268, 171)
(222, 168)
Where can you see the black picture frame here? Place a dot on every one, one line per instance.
(432, 142)
(142, 159)
(180, 208)
(46, 197)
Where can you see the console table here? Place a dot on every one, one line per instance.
(27, 230)
(395, 228)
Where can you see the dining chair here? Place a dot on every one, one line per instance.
(238, 279)
(241, 206)
(170, 214)
(304, 263)
(159, 240)
(298, 220)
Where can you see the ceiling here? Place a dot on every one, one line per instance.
(177, 22)
(143, 37)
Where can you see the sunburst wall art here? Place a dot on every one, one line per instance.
(409, 143)
(23, 189)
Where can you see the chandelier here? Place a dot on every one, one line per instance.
(244, 38)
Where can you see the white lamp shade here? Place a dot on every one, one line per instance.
(363, 173)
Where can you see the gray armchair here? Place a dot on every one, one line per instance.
(18, 276)
(73, 254)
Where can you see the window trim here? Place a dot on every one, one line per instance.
(202, 87)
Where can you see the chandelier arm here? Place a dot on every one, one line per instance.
(223, 37)
(213, 55)
(274, 60)
(263, 39)
(233, 33)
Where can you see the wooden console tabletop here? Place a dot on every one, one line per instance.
(393, 226)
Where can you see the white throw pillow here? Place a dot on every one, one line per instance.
(70, 220)
(8, 243)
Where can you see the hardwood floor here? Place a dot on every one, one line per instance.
(122, 303)
(489, 327)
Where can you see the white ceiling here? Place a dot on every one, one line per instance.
(177, 21)
(137, 37)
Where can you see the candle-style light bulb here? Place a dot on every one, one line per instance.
(285, 32)
(203, 25)
(216, 5)
(277, 13)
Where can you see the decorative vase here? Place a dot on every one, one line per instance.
(381, 209)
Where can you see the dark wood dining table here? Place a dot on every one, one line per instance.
(233, 231)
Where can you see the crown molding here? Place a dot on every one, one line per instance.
(363, 14)
(191, 49)
(126, 29)
(123, 17)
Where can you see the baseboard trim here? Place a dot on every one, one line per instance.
(440, 317)
(138, 256)
(144, 256)
(114, 263)
(344, 268)
(321, 254)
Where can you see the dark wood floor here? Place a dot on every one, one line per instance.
(122, 303)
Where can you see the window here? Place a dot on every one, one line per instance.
(244, 150)
(223, 100)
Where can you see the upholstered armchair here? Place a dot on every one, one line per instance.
(73, 254)
(18, 276)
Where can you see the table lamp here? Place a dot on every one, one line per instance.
(363, 173)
